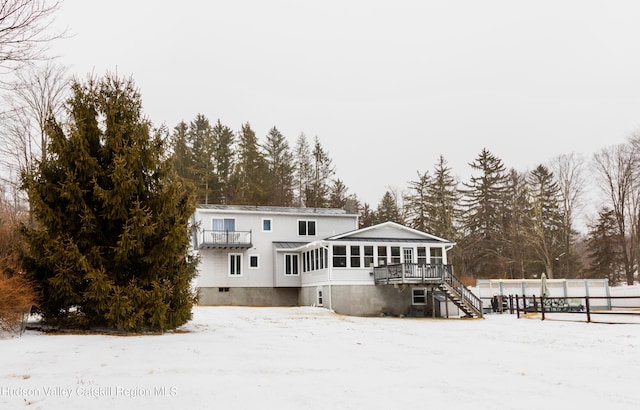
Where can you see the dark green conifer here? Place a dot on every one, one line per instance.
(110, 243)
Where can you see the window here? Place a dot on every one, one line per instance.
(368, 256)
(355, 256)
(223, 224)
(419, 296)
(253, 262)
(408, 255)
(306, 227)
(382, 255)
(223, 289)
(290, 264)
(436, 256)
(339, 256)
(395, 254)
(235, 264)
(320, 298)
(266, 225)
(422, 255)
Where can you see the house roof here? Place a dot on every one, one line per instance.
(276, 209)
(288, 245)
(389, 231)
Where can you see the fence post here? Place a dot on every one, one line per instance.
(542, 306)
(586, 302)
(518, 306)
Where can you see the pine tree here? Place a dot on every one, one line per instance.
(279, 179)
(515, 221)
(545, 227)
(389, 210)
(443, 197)
(338, 197)
(417, 203)
(110, 246)
(302, 169)
(483, 244)
(367, 216)
(317, 187)
(182, 154)
(603, 249)
(200, 137)
(251, 169)
(223, 156)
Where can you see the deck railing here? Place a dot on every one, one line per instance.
(226, 238)
(468, 296)
(411, 273)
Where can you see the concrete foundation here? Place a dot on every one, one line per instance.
(248, 296)
(368, 300)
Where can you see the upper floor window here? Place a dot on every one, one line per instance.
(223, 224)
(266, 225)
(306, 227)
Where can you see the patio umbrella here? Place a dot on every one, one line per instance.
(544, 288)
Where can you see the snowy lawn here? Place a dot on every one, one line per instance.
(310, 358)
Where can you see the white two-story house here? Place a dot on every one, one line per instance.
(276, 256)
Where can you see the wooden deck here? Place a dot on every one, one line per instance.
(437, 276)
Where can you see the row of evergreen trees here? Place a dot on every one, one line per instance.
(236, 168)
(506, 223)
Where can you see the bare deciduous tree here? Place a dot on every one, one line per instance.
(37, 96)
(569, 170)
(25, 31)
(616, 171)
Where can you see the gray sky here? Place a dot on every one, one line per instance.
(387, 86)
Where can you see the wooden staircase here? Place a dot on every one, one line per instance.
(466, 303)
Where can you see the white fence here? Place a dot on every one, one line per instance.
(486, 289)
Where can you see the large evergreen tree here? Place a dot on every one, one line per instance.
(318, 185)
(417, 203)
(201, 141)
(302, 159)
(545, 224)
(443, 199)
(251, 169)
(280, 167)
(110, 244)
(603, 249)
(389, 210)
(515, 221)
(483, 244)
(223, 156)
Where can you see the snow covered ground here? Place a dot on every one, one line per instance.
(310, 358)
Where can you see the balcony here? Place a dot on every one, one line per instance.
(225, 240)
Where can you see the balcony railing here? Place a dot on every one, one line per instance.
(412, 273)
(225, 239)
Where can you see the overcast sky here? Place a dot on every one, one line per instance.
(387, 86)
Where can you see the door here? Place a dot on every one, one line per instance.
(407, 262)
